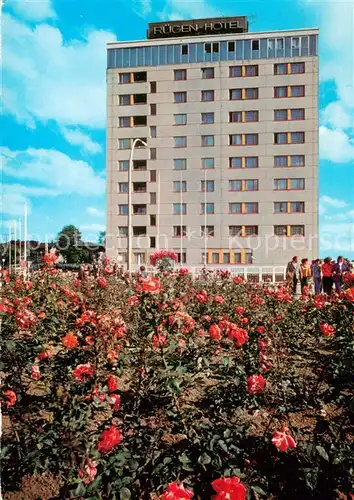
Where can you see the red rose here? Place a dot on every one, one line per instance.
(109, 439)
(214, 332)
(102, 282)
(89, 472)
(133, 301)
(282, 440)
(256, 384)
(159, 340)
(219, 299)
(238, 334)
(229, 488)
(70, 341)
(83, 372)
(327, 330)
(176, 491)
(115, 401)
(10, 397)
(151, 285)
(112, 383)
(260, 329)
(35, 373)
(240, 310)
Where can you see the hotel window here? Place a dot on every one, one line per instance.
(235, 162)
(179, 186)
(231, 46)
(139, 258)
(153, 87)
(179, 208)
(180, 74)
(124, 100)
(152, 241)
(152, 153)
(251, 93)
(297, 114)
(235, 208)
(297, 68)
(235, 94)
(251, 162)
(207, 95)
(124, 121)
(184, 256)
(153, 109)
(184, 50)
(280, 92)
(280, 115)
(153, 198)
(235, 185)
(251, 208)
(152, 175)
(281, 69)
(207, 140)
(251, 70)
(281, 138)
(139, 165)
(153, 220)
(180, 164)
(207, 186)
(235, 71)
(297, 137)
(208, 163)
(207, 73)
(211, 47)
(297, 230)
(255, 46)
(280, 184)
(139, 209)
(180, 142)
(235, 116)
(243, 139)
(124, 143)
(153, 132)
(280, 207)
(122, 209)
(289, 161)
(297, 207)
(235, 231)
(180, 97)
(179, 231)
(243, 162)
(140, 98)
(139, 187)
(207, 208)
(251, 185)
(123, 231)
(124, 77)
(235, 140)
(139, 121)
(123, 165)
(296, 184)
(250, 231)
(140, 76)
(139, 230)
(207, 231)
(250, 116)
(180, 119)
(215, 258)
(226, 258)
(251, 139)
(207, 118)
(280, 230)
(297, 91)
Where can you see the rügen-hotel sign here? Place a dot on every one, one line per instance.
(198, 27)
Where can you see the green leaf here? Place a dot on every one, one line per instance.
(80, 490)
(258, 490)
(223, 446)
(204, 459)
(227, 433)
(125, 494)
(184, 459)
(322, 452)
(4, 451)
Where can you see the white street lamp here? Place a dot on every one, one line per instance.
(129, 256)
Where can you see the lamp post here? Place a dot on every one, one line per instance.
(129, 256)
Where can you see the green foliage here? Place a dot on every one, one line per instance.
(71, 246)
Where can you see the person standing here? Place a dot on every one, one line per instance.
(339, 269)
(327, 275)
(317, 276)
(305, 274)
(291, 273)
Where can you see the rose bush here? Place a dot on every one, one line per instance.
(176, 387)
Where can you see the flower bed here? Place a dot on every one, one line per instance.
(174, 387)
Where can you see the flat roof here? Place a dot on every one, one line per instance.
(196, 39)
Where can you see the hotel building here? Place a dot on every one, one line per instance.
(229, 175)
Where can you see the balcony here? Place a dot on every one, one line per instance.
(139, 187)
(139, 98)
(139, 121)
(139, 209)
(140, 165)
(139, 230)
(140, 76)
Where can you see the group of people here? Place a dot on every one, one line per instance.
(324, 274)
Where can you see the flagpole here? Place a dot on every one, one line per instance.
(10, 259)
(158, 210)
(15, 243)
(20, 235)
(205, 218)
(181, 222)
(25, 239)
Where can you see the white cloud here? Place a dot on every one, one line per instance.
(336, 115)
(335, 145)
(33, 10)
(142, 7)
(93, 227)
(57, 79)
(186, 9)
(12, 203)
(95, 212)
(337, 236)
(54, 170)
(75, 137)
(333, 202)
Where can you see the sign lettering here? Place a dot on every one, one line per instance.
(198, 27)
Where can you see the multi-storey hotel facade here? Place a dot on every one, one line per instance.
(227, 170)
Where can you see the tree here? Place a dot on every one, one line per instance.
(71, 246)
(102, 238)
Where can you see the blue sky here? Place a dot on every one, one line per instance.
(53, 124)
